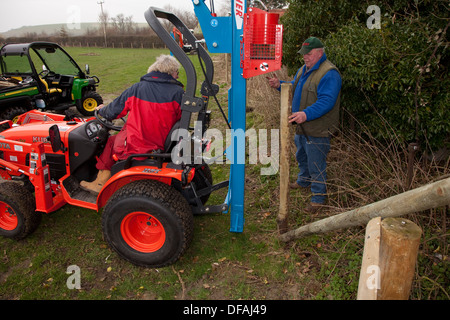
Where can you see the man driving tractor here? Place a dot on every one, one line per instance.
(153, 107)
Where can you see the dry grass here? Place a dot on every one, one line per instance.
(264, 100)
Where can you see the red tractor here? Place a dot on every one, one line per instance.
(148, 202)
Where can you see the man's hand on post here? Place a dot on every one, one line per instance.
(297, 117)
(274, 82)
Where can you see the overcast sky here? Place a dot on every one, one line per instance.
(17, 13)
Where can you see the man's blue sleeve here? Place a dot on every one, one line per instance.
(327, 94)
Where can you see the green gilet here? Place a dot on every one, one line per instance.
(329, 122)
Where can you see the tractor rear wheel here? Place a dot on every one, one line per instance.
(148, 223)
(18, 216)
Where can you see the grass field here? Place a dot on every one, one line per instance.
(219, 264)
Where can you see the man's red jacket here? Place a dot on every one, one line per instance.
(153, 107)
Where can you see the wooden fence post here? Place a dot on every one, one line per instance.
(285, 104)
(369, 277)
(390, 252)
(400, 239)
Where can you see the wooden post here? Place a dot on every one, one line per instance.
(369, 277)
(400, 239)
(433, 195)
(286, 102)
(390, 253)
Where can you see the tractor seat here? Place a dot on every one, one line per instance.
(169, 144)
(49, 90)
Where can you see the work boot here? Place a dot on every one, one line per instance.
(95, 186)
(313, 208)
(295, 185)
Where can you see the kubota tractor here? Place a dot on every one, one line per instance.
(149, 201)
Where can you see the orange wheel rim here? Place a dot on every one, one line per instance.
(8, 218)
(143, 232)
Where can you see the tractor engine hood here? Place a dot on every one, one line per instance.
(36, 132)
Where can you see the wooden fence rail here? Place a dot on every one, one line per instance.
(433, 195)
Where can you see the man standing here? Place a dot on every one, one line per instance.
(315, 109)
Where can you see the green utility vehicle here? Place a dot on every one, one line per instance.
(42, 75)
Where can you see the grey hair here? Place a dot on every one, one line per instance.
(321, 49)
(165, 64)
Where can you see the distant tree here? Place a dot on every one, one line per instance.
(123, 25)
(90, 32)
(63, 34)
(189, 18)
(30, 35)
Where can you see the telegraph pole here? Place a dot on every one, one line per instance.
(103, 21)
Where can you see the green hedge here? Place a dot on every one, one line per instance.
(395, 79)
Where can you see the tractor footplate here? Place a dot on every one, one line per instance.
(72, 187)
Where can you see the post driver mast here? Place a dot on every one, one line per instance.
(254, 40)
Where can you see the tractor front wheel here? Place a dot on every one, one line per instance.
(148, 223)
(89, 102)
(18, 217)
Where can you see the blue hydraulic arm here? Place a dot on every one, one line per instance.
(224, 35)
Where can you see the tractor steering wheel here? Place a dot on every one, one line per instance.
(108, 124)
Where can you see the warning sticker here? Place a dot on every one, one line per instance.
(264, 66)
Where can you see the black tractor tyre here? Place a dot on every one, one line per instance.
(148, 223)
(90, 100)
(11, 113)
(18, 215)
